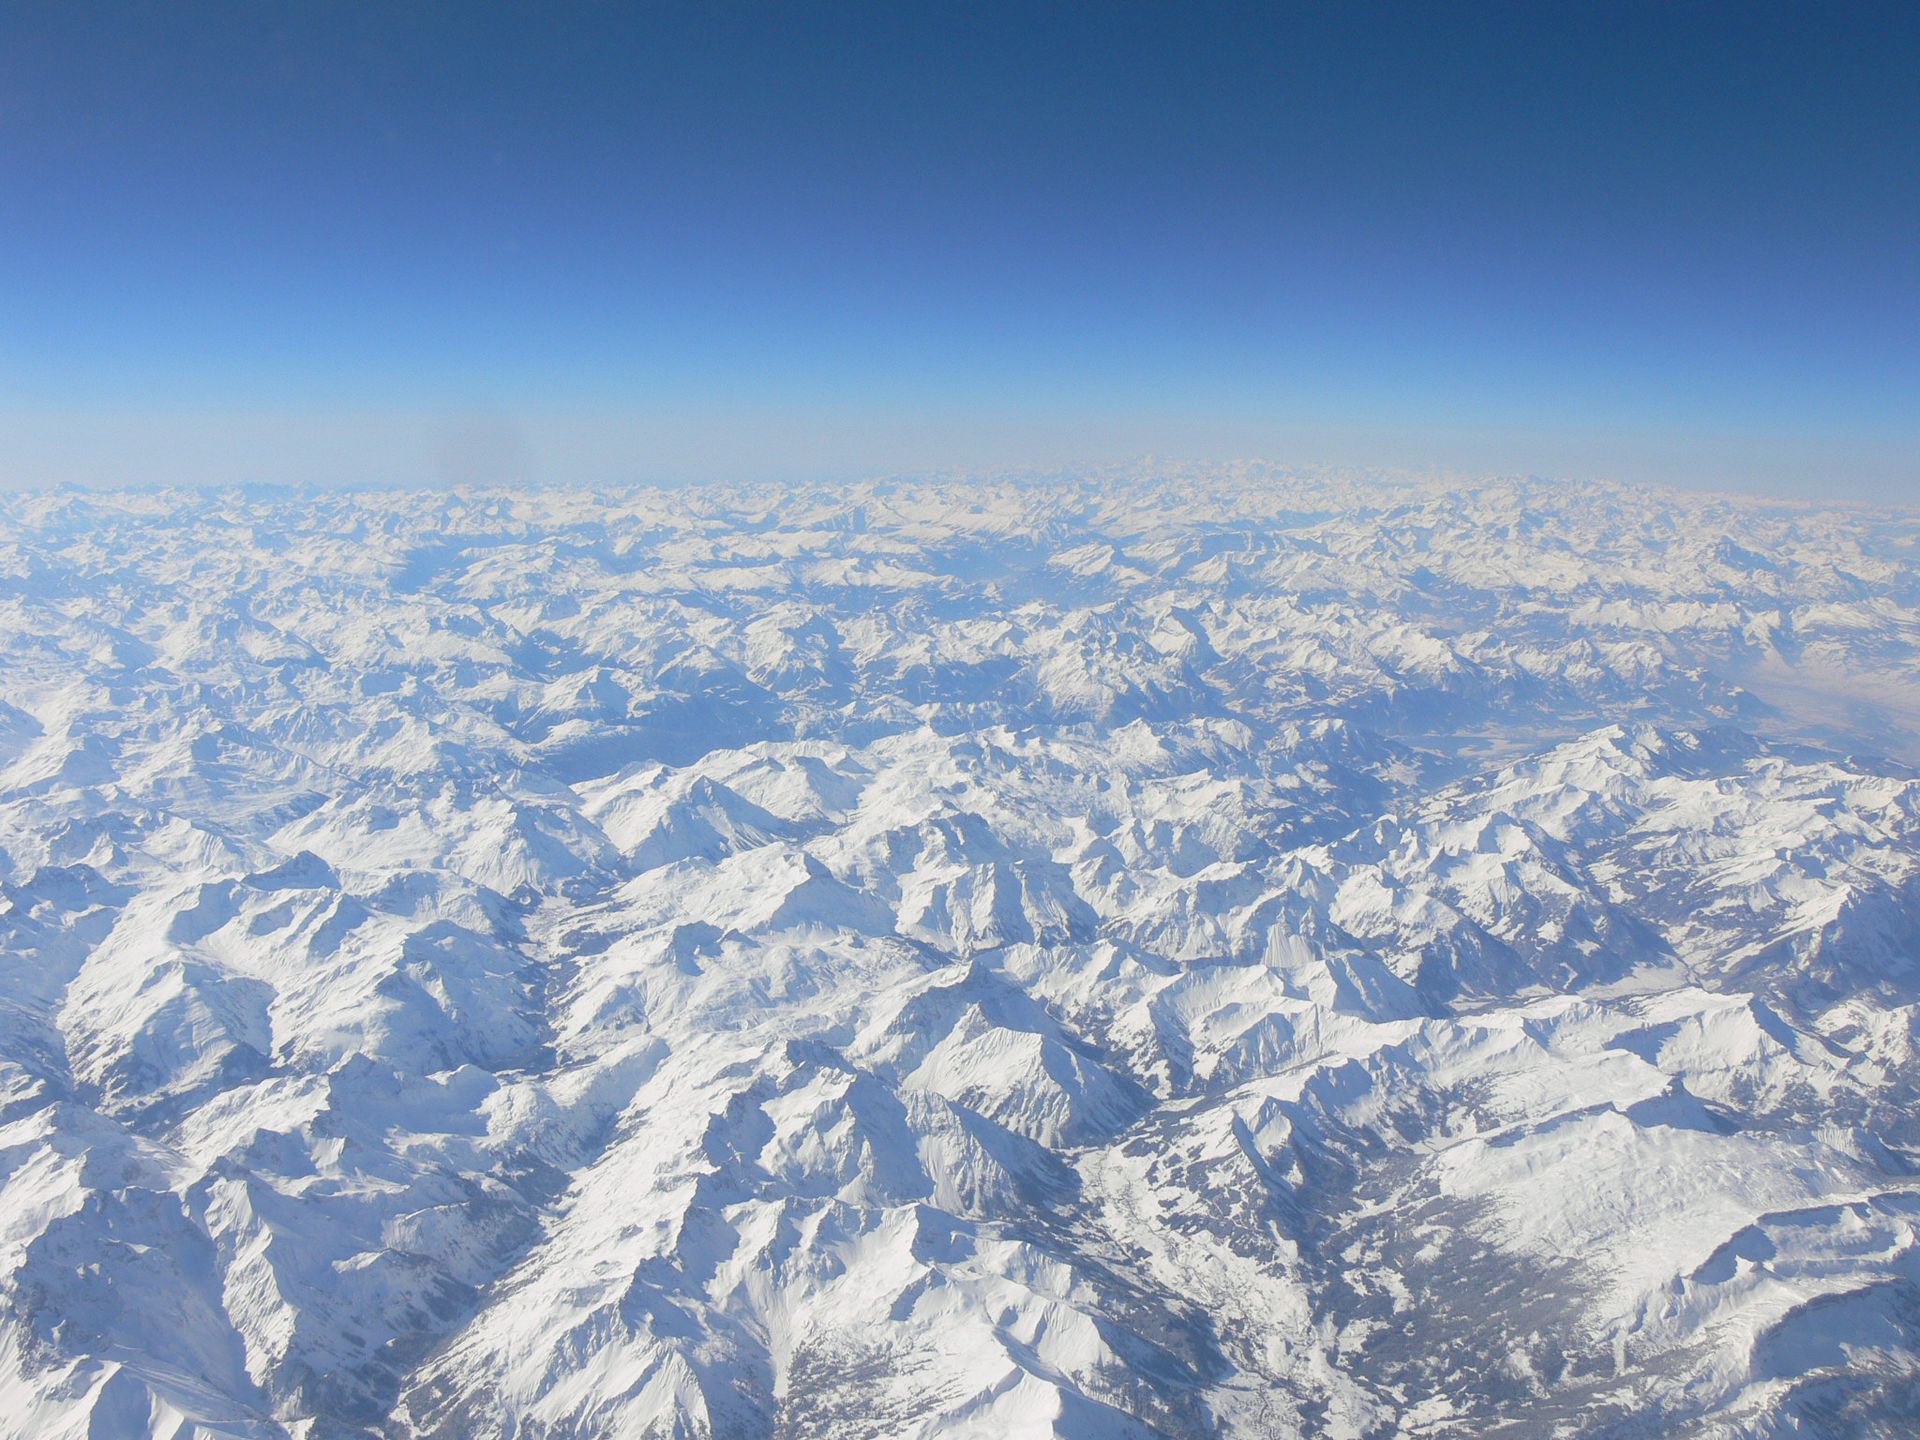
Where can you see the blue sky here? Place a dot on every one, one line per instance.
(370, 242)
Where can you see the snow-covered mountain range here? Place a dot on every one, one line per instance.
(1240, 953)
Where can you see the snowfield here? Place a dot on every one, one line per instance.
(1240, 953)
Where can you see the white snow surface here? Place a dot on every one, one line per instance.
(1227, 952)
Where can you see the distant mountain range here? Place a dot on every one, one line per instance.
(1231, 952)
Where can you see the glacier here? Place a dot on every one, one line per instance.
(1204, 951)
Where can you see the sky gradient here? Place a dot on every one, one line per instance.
(406, 243)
